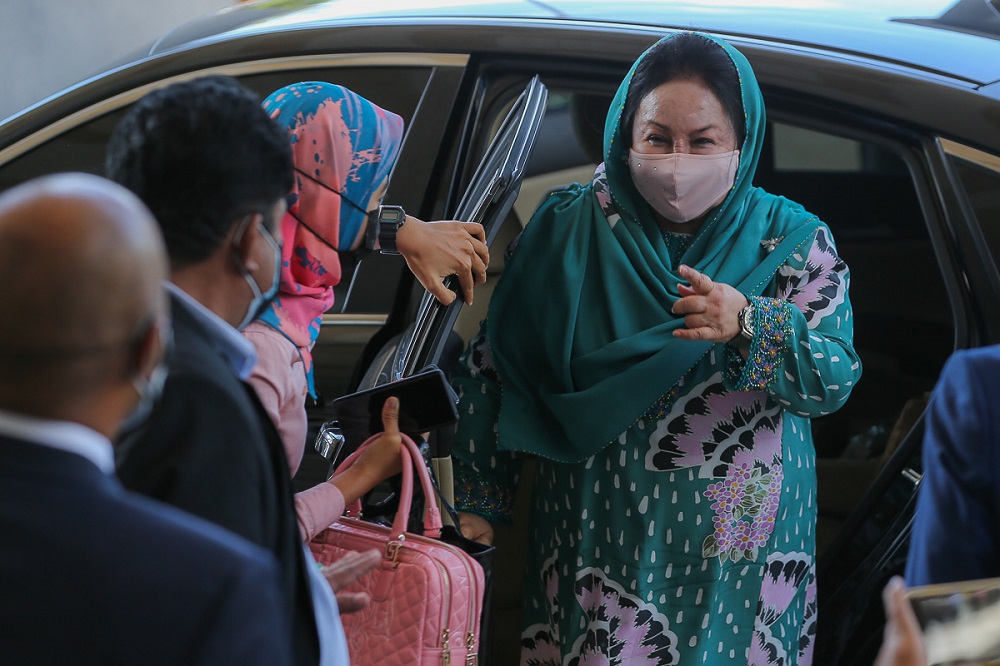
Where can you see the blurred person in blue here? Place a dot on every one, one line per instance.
(956, 527)
(91, 573)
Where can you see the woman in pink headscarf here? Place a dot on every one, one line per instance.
(344, 148)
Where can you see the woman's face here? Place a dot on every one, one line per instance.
(682, 116)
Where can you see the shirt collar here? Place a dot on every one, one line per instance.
(234, 347)
(62, 435)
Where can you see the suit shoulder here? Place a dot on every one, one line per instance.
(179, 534)
(980, 365)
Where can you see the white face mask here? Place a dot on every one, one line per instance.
(682, 187)
(260, 299)
(149, 392)
(149, 389)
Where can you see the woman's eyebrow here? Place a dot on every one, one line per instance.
(667, 128)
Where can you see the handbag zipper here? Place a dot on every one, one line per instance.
(470, 638)
(446, 606)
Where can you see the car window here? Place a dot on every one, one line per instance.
(82, 148)
(400, 89)
(981, 181)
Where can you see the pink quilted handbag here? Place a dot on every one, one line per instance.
(427, 596)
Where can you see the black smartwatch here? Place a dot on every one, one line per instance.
(386, 222)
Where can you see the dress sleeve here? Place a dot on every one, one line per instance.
(280, 382)
(802, 352)
(317, 508)
(485, 478)
(955, 535)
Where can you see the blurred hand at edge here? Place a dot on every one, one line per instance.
(903, 642)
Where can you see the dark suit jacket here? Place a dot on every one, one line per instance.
(209, 448)
(956, 531)
(92, 574)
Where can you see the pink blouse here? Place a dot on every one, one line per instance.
(280, 383)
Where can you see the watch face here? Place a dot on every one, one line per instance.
(391, 214)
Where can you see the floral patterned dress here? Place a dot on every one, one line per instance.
(691, 540)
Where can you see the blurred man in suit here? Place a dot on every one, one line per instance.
(214, 170)
(955, 527)
(89, 573)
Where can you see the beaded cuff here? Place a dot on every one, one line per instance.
(482, 496)
(772, 324)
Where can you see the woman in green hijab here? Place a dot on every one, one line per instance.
(663, 336)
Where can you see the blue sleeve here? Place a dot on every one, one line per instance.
(955, 530)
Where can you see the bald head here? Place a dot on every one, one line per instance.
(81, 266)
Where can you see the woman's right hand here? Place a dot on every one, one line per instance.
(476, 528)
(380, 459)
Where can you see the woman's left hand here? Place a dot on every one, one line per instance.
(710, 309)
(435, 250)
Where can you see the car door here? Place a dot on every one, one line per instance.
(488, 199)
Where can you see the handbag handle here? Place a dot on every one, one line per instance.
(411, 459)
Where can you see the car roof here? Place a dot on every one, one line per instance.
(956, 39)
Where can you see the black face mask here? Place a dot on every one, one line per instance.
(369, 228)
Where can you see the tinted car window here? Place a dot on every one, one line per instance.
(82, 147)
(399, 89)
(982, 186)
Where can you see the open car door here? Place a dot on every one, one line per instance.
(488, 200)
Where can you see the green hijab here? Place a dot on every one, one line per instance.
(580, 325)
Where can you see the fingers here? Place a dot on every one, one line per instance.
(889, 597)
(897, 607)
(475, 528)
(700, 282)
(352, 602)
(347, 569)
(468, 283)
(477, 231)
(480, 261)
(390, 416)
(902, 643)
(693, 334)
(438, 290)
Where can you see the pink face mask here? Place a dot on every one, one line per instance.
(681, 187)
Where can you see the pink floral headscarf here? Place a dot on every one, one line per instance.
(343, 148)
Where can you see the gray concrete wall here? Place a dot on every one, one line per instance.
(46, 45)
